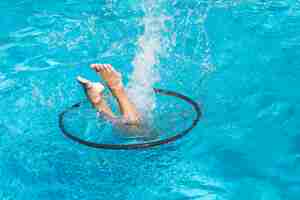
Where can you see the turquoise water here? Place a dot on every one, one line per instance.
(239, 59)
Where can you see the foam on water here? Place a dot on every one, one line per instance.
(145, 74)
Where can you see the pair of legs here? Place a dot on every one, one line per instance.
(113, 80)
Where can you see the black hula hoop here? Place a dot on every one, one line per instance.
(137, 145)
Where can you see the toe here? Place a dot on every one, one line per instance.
(99, 67)
(85, 82)
(82, 80)
(107, 68)
(95, 67)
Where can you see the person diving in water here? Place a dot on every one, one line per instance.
(113, 80)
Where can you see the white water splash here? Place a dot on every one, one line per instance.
(145, 75)
(207, 66)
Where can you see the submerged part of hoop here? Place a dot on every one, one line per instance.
(175, 116)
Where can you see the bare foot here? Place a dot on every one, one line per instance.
(94, 93)
(112, 78)
(92, 90)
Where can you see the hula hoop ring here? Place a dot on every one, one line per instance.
(177, 136)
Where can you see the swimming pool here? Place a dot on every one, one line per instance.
(239, 59)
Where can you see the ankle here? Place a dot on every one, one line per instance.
(117, 84)
(117, 87)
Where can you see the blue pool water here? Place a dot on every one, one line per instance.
(239, 59)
